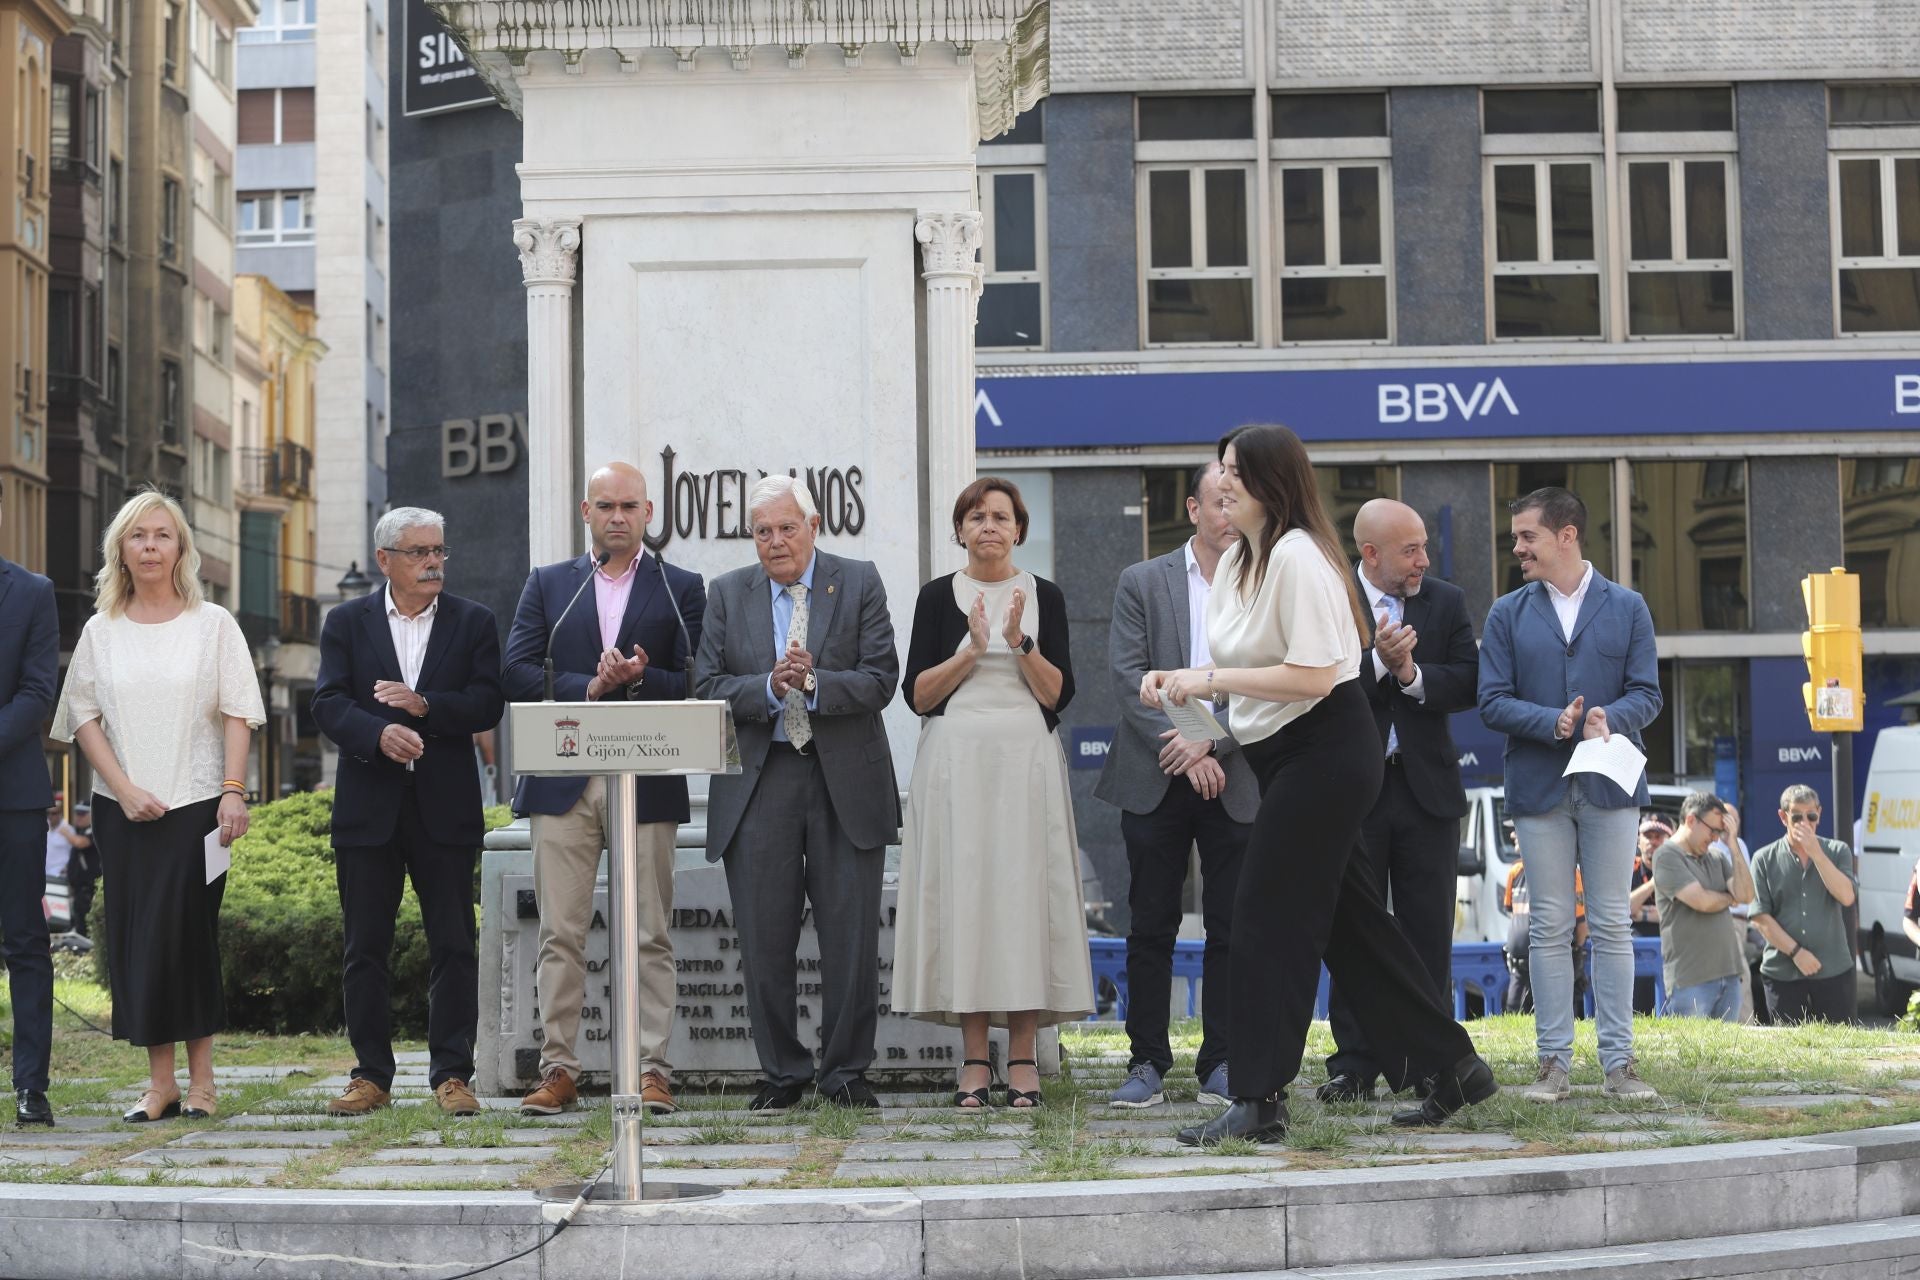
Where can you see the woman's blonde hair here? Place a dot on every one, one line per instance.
(113, 585)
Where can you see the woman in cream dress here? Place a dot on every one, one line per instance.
(992, 928)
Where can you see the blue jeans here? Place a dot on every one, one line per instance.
(1717, 999)
(1600, 842)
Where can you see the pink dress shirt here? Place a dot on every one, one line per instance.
(610, 596)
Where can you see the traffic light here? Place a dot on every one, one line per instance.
(1835, 691)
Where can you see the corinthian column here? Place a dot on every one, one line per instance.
(549, 263)
(948, 242)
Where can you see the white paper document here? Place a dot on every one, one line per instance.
(219, 856)
(1195, 721)
(1615, 759)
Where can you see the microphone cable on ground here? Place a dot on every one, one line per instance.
(566, 1220)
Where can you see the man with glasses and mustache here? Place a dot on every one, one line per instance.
(1696, 885)
(1803, 885)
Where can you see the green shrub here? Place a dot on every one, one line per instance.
(280, 927)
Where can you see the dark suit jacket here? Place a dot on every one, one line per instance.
(850, 635)
(459, 678)
(1449, 661)
(29, 675)
(648, 622)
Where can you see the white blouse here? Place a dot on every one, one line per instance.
(161, 691)
(1299, 615)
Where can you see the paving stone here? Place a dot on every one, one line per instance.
(1801, 1101)
(224, 1137)
(223, 1074)
(405, 1174)
(71, 1120)
(283, 1123)
(528, 1137)
(722, 1153)
(171, 1155)
(202, 1176)
(14, 1140)
(1165, 1126)
(875, 1132)
(1617, 1137)
(412, 1057)
(464, 1155)
(918, 1171)
(932, 1151)
(1653, 1120)
(41, 1157)
(1197, 1163)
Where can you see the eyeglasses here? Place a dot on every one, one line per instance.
(417, 554)
(1813, 818)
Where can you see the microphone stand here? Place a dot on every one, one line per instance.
(553, 632)
(686, 637)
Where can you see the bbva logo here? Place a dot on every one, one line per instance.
(1437, 401)
(1796, 755)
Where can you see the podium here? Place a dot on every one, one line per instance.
(620, 741)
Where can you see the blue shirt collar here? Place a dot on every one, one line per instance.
(806, 577)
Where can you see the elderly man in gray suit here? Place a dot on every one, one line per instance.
(802, 647)
(1174, 794)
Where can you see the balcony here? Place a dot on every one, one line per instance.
(285, 471)
(299, 620)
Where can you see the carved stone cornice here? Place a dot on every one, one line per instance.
(549, 250)
(948, 243)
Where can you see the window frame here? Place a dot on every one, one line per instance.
(986, 173)
(272, 30)
(1889, 233)
(1542, 166)
(1677, 223)
(1330, 213)
(1196, 171)
(277, 235)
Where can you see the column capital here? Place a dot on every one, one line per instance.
(948, 242)
(549, 250)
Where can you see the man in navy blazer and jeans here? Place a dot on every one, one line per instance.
(29, 672)
(622, 641)
(407, 676)
(1569, 656)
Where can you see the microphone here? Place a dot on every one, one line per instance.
(686, 637)
(553, 632)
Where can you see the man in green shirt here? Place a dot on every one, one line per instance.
(1696, 883)
(1803, 885)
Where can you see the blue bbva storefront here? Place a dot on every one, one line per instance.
(1724, 406)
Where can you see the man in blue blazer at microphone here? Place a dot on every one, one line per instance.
(618, 625)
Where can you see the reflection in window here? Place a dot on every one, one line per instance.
(1880, 518)
(1035, 555)
(1690, 543)
(1591, 482)
(1710, 715)
(1344, 490)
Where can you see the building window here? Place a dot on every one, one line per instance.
(1333, 245)
(212, 329)
(212, 474)
(1873, 105)
(91, 129)
(62, 130)
(170, 219)
(1013, 305)
(1670, 110)
(1540, 111)
(1680, 269)
(171, 403)
(1195, 199)
(1877, 242)
(116, 191)
(172, 47)
(1329, 115)
(63, 345)
(1690, 543)
(112, 389)
(281, 20)
(271, 116)
(1345, 489)
(275, 217)
(1880, 528)
(1545, 248)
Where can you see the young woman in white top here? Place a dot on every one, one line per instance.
(1286, 627)
(162, 698)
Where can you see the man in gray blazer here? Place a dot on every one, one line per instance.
(802, 647)
(1172, 794)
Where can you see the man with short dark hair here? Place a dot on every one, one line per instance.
(1803, 884)
(1697, 884)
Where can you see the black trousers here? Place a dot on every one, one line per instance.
(1157, 845)
(371, 878)
(23, 932)
(1814, 999)
(1418, 855)
(1307, 895)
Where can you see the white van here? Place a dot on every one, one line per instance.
(1889, 846)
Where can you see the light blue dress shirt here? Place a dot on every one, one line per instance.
(783, 619)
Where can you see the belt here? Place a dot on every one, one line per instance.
(805, 752)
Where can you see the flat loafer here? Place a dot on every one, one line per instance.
(140, 1114)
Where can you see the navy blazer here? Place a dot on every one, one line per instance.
(29, 675)
(1450, 664)
(1530, 671)
(648, 622)
(459, 678)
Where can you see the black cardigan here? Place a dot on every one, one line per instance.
(940, 624)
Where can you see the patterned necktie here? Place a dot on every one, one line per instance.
(1396, 611)
(798, 723)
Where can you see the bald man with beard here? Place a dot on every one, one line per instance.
(1421, 667)
(620, 642)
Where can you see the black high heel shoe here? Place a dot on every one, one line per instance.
(975, 1099)
(1022, 1099)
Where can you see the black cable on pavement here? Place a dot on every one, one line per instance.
(566, 1220)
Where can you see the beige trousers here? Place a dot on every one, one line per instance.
(566, 861)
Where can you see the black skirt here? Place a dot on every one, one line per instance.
(163, 923)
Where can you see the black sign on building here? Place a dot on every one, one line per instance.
(438, 75)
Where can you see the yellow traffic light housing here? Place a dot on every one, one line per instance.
(1835, 691)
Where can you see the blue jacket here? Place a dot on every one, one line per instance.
(1530, 672)
(649, 623)
(29, 675)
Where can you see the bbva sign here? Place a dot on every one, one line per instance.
(1438, 401)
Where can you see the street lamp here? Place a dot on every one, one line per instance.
(354, 583)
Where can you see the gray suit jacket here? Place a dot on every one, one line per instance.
(1149, 633)
(851, 637)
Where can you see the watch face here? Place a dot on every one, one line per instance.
(807, 684)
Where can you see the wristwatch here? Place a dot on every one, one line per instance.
(1025, 646)
(808, 684)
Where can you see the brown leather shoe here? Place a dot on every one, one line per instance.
(655, 1098)
(455, 1098)
(555, 1094)
(358, 1098)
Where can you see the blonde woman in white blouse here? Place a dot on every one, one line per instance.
(161, 697)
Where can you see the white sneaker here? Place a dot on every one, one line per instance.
(1551, 1085)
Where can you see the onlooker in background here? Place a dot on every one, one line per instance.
(1910, 915)
(83, 867)
(1753, 1000)
(162, 697)
(59, 848)
(1803, 884)
(1697, 879)
(1654, 832)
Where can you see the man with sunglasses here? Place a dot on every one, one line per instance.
(1696, 884)
(1803, 885)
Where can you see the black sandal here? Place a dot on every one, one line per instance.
(975, 1099)
(1022, 1099)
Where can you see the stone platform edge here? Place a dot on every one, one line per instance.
(1194, 1225)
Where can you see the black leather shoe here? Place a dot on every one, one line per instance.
(1256, 1120)
(30, 1107)
(855, 1093)
(775, 1097)
(1345, 1086)
(1469, 1081)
